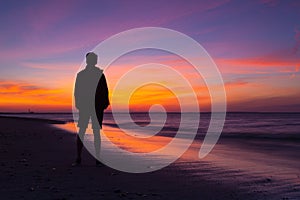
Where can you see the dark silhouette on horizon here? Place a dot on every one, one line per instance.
(91, 99)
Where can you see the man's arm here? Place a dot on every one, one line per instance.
(76, 92)
(106, 104)
(101, 98)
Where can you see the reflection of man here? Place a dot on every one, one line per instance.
(91, 98)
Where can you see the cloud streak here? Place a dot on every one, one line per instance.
(23, 94)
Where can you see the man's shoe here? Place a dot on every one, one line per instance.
(98, 163)
(77, 162)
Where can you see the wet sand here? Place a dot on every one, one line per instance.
(36, 160)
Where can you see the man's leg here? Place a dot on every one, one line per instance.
(80, 144)
(82, 125)
(97, 142)
(97, 125)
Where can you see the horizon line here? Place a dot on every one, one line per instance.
(152, 112)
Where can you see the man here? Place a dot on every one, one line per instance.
(91, 99)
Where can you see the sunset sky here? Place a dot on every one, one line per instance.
(255, 44)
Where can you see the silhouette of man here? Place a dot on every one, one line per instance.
(91, 99)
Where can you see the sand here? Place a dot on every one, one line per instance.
(36, 160)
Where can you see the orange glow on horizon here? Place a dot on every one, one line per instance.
(19, 96)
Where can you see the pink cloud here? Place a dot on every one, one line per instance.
(258, 65)
(270, 3)
(53, 66)
(296, 48)
(259, 61)
(45, 15)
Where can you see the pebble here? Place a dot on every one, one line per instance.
(268, 180)
(117, 191)
(23, 160)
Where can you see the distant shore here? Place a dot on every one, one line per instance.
(36, 162)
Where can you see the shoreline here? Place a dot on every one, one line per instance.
(36, 163)
(49, 121)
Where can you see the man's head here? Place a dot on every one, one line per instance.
(91, 58)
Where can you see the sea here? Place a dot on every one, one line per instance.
(283, 126)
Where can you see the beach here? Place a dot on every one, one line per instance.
(192, 100)
(37, 157)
